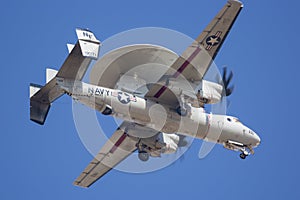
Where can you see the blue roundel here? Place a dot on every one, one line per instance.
(123, 97)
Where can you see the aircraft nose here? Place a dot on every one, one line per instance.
(256, 139)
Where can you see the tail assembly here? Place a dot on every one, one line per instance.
(74, 68)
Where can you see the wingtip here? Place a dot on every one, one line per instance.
(241, 3)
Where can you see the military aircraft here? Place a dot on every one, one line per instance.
(157, 121)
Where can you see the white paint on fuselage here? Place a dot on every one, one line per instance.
(197, 123)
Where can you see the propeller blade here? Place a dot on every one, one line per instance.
(229, 78)
(226, 81)
(229, 90)
(224, 75)
(205, 149)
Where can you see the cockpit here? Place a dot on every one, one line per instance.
(236, 120)
(233, 119)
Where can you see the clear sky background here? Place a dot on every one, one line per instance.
(41, 162)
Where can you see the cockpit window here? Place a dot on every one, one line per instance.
(236, 120)
(233, 119)
(251, 132)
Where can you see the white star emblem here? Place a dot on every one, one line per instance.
(213, 40)
(123, 97)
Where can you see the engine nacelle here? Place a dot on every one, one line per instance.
(210, 92)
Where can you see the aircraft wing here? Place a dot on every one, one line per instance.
(116, 149)
(189, 69)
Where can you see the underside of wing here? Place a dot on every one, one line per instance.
(158, 73)
(132, 67)
(116, 149)
(195, 61)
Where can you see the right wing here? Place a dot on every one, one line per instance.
(115, 150)
(189, 69)
(196, 59)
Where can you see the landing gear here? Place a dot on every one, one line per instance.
(143, 156)
(245, 150)
(243, 156)
(181, 111)
(143, 152)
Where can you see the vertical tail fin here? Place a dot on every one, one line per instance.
(50, 74)
(34, 88)
(70, 47)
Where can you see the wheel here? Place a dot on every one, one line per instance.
(243, 156)
(143, 156)
(181, 111)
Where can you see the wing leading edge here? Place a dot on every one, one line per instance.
(197, 58)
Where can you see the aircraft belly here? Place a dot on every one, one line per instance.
(94, 103)
(139, 110)
(147, 113)
(194, 127)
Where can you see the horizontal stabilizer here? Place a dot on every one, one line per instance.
(73, 68)
(39, 111)
(41, 99)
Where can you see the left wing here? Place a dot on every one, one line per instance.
(116, 149)
(189, 69)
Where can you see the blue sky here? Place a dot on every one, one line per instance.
(41, 162)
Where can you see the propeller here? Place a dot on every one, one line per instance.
(226, 82)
